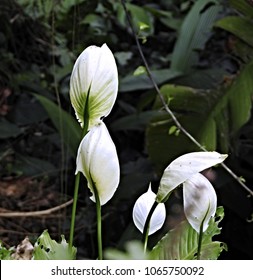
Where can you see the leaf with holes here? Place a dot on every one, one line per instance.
(47, 249)
(181, 243)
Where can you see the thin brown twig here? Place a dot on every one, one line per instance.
(36, 213)
(166, 107)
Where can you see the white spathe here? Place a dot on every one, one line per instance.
(141, 209)
(98, 161)
(183, 168)
(200, 201)
(95, 71)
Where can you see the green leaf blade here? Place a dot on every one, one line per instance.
(240, 27)
(181, 243)
(47, 249)
(193, 34)
(66, 125)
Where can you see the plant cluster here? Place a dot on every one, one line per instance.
(199, 56)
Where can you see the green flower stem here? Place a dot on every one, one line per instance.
(77, 178)
(99, 224)
(146, 226)
(73, 215)
(200, 240)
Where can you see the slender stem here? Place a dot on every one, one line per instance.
(200, 240)
(77, 177)
(147, 224)
(99, 224)
(73, 216)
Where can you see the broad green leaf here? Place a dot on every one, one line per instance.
(47, 249)
(212, 117)
(193, 34)
(68, 127)
(183, 168)
(162, 146)
(181, 243)
(240, 27)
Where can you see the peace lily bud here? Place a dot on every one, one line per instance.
(94, 80)
(98, 161)
(200, 201)
(141, 209)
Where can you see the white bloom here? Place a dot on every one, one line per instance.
(98, 161)
(199, 196)
(141, 209)
(200, 201)
(183, 167)
(95, 71)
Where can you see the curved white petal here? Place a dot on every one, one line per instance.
(98, 161)
(95, 70)
(200, 201)
(141, 209)
(183, 167)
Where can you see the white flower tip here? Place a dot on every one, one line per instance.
(95, 71)
(141, 210)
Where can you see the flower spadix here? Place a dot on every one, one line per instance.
(200, 201)
(98, 161)
(94, 84)
(141, 210)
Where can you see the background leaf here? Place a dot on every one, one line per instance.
(243, 7)
(240, 27)
(225, 111)
(67, 126)
(193, 34)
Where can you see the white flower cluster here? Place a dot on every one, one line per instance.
(93, 91)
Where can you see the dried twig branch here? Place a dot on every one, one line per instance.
(36, 213)
(165, 105)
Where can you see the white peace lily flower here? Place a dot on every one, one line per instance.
(141, 209)
(98, 161)
(200, 201)
(183, 168)
(95, 71)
